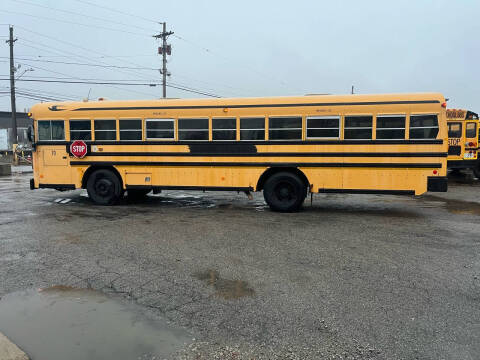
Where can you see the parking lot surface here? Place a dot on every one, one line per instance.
(349, 277)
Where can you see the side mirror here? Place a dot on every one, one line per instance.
(30, 134)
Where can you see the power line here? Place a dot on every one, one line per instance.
(128, 72)
(176, 86)
(49, 93)
(179, 87)
(84, 64)
(69, 52)
(87, 82)
(108, 66)
(83, 15)
(116, 10)
(215, 54)
(80, 47)
(42, 97)
(91, 57)
(116, 83)
(72, 22)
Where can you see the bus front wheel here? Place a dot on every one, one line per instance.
(284, 192)
(104, 187)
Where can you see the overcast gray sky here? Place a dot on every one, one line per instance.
(245, 48)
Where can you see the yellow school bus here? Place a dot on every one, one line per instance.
(285, 146)
(463, 140)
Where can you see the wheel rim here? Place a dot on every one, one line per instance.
(285, 192)
(104, 188)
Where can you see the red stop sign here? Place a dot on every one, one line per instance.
(78, 149)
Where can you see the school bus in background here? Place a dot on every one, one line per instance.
(463, 140)
(285, 146)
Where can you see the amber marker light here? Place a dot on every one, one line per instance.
(444, 105)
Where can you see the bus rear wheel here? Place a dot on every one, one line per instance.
(476, 170)
(284, 192)
(104, 187)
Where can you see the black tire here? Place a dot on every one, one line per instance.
(284, 192)
(137, 194)
(476, 170)
(104, 187)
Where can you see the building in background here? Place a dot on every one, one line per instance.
(23, 121)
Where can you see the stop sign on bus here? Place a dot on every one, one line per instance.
(78, 149)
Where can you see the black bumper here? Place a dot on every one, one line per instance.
(462, 164)
(32, 184)
(437, 183)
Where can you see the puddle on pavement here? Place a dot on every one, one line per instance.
(195, 200)
(458, 207)
(228, 289)
(61, 322)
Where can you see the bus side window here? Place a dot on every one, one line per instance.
(105, 129)
(193, 129)
(325, 127)
(423, 126)
(285, 128)
(471, 130)
(391, 127)
(358, 127)
(163, 129)
(51, 130)
(252, 128)
(80, 130)
(130, 129)
(224, 128)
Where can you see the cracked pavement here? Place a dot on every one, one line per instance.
(351, 277)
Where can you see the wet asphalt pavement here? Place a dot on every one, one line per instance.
(349, 277)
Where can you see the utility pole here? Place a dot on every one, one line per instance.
(10, 42)
(164, 50)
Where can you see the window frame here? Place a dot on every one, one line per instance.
(404, 115)
(70, 129)
(130, 130)
(285, 129)
(410, 127)
(147, 120)
(51, 133)
(104, 119)
(264, 129)
(359, 127)
(194, 118)
(338, 117)
(224, 118)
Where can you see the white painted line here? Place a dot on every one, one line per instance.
(58, 200)
(64, 201)
(10, 351)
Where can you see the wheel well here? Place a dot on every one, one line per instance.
(273, 170)
(91, 169)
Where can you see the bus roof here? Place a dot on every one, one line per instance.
(372, 99)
